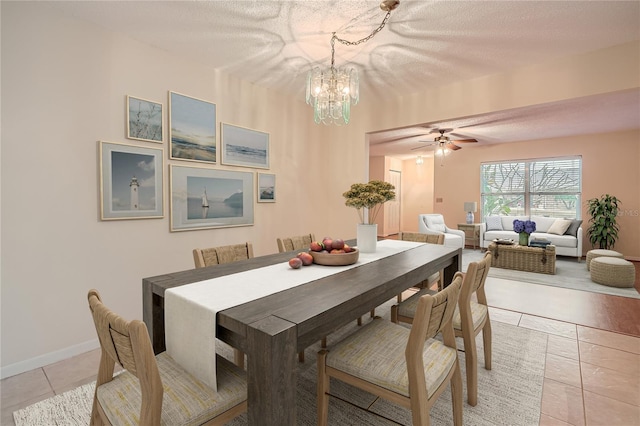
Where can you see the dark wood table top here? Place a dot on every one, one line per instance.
(324, 305)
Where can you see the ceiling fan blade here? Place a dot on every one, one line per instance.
(465, 140)
(423, 147)
(452, 146)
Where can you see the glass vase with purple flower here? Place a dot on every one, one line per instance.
(524, 228)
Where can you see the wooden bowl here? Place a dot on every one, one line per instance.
(340, 259)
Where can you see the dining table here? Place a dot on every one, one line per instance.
(272, 329)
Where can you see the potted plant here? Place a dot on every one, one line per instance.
(371, 196)
(603, 228)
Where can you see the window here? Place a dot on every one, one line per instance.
(543, 187)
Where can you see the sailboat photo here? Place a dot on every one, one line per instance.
(205, 202)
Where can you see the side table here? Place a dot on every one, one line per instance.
(471, 233)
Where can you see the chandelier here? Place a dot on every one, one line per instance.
(331, 91)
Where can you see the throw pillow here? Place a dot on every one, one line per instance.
(494, 223)
(559, 226)
(573, 228)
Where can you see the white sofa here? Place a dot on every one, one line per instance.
(566, 244)
(434, 224)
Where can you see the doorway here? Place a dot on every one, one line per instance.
(392, 212)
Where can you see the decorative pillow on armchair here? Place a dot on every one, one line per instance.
(494, 223)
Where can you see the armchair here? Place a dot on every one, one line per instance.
(434, 224)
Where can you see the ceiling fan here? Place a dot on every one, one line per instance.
(444, 142)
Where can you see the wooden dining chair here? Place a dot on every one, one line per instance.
(222, 254)
(218, 256)
(417, 237)
(155, 390)
(471, 318)
(406, 366)
(299, 242)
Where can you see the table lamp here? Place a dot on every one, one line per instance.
(470, 207)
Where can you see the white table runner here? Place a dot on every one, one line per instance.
(190, 310)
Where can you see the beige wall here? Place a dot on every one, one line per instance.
(379, 169)
(63, 89)
(417, 192)
(64, 84)
(601, 71)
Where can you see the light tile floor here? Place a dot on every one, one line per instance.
(592, 377)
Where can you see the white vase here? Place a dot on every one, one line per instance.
(367, 237)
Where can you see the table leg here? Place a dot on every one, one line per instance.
(153, 317)
(450, 271)
(271, 372)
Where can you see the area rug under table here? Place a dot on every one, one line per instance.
(509, 394)
(569, 274)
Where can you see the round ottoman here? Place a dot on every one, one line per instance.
(613, 271)
(592, 254)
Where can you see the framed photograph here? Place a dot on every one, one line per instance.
(266, 188)
(244, 147)
(203, 198)
(130, 182)
(145, 120)
(192, 129)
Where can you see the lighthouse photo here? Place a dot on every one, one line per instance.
(132, 181)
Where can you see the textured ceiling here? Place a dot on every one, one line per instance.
(425, 44)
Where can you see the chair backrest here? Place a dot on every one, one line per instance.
(128, 344)
(474, 282)
(431, 221)
(299, 242)
(222, 254)
(422, 238)
(434, 314)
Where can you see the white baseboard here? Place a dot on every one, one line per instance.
(46, 359)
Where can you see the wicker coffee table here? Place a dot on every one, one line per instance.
(523, 258)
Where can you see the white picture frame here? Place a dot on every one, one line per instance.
(244, 147)
(205, 198)
(266, 187)
(131, 181)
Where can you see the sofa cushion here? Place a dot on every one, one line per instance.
(436, 223)
(543, 223)
(559, 226)
(573, 228)
(560, 240)
(494, 223)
